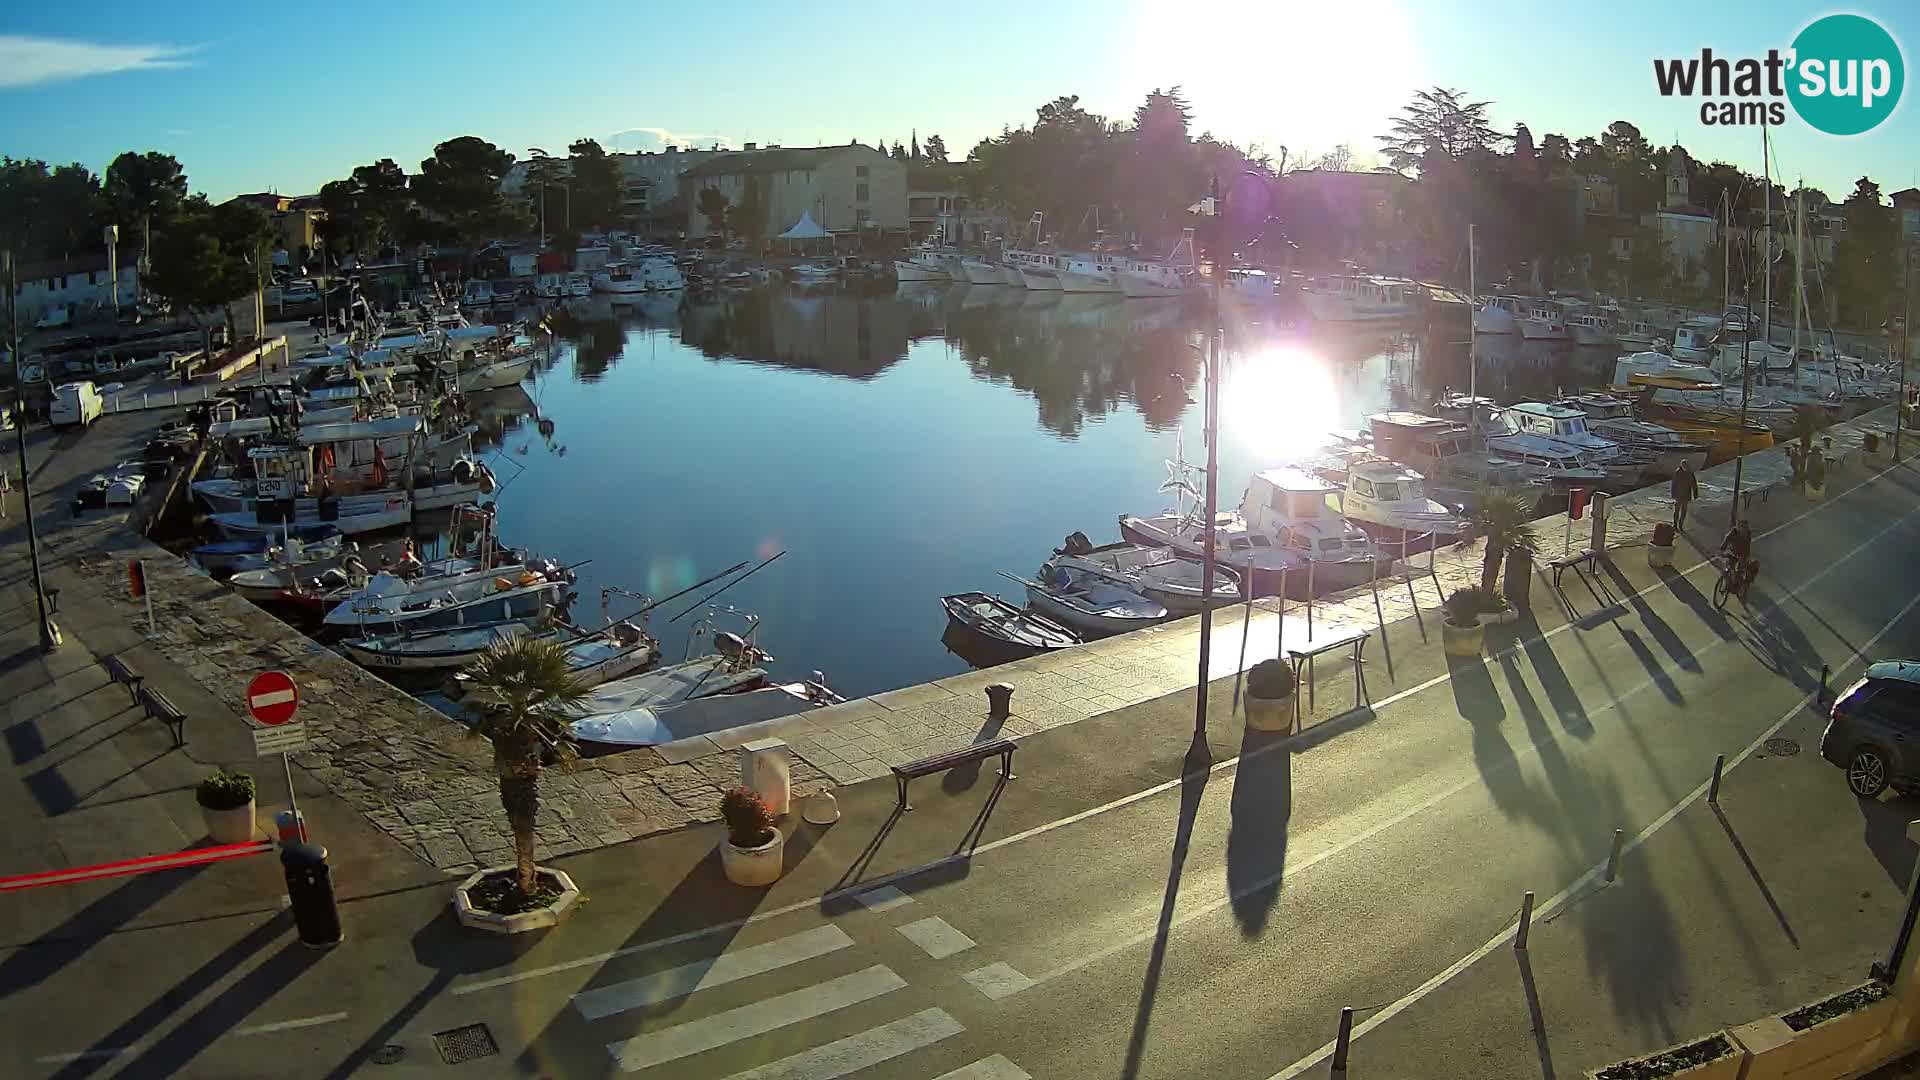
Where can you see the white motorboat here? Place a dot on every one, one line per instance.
(1694, 339)
(1038, 270)
(1569, 425)
(1088, 602)
(1591, 329)
(1642, 367)
(475, 600)
(710, 714)
(1389, 502)
(1543, 321)
(1448, 455)
(1249, 285)
(925, 262)
(393, 512)
(813, 272)
(646, 274)
(296, 569)
(1613, 417)
(1291, 508)
(579, 285)
(1498, 315)
(1639, 334)
(1360, 298)
(496, 374)
(593, 658)
(1153, 572)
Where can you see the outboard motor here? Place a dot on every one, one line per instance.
(1076, 543)
(462, 470)
(332, 578)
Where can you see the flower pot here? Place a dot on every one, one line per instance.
(517, 922)
(754, 865)
(1269, 714)
(1462, 640)
(1682, 1062)
(233, 826)
(1816, 492)
(1660, 556)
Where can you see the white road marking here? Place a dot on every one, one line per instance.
(998, 981)
(988, 1068)
(289, 1025)
(713, 971)
(274, 697)
(1122, 802)
(884, 898)
(855, 1052)
(89, 1055)
(1580, 884)
(937, 937)
(748, 1021)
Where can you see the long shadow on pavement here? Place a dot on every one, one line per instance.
(32, 963)
(1753, 871)
(1661, 630)
(1193, 785)
(1884, 825)
(1684, 590)
(1553, 678)
(1262, 809)
(1541, 1048)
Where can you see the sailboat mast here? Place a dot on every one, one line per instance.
(1746, 338)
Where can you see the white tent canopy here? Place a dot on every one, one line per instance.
(805, 229)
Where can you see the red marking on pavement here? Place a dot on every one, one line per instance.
(172, 860)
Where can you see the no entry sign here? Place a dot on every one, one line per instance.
(272, 698)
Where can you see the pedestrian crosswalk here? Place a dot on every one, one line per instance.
(748, 1032)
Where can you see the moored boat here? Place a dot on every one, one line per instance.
(1089, 603)
(1154, 572)
(986, 630)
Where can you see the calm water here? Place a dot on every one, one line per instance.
(906, 445)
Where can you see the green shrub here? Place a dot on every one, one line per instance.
(749, 819)
(225, 790)
(1465, 606)
(1270, 679)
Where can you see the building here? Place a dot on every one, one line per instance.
(1690, 231)
(77, 282)
(938, 204)
(649, 184)
(1907, 205)
(846, 190)
(296, 221)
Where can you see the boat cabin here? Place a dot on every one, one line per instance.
(1553, 421)
(1291, 505)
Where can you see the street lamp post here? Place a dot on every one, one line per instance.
(49, 633)
(1906, 331)
(1210, 422)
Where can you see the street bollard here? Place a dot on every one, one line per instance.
(1341, 1042)
(1713, 789)
(310, 893)
(1825, 673)
(1526, 923)
(1613, 860)
(292, 826)
(999, 700)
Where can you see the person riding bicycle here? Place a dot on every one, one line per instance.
(1737, 546)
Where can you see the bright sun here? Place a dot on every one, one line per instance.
(1279, 404)
(1355, 64)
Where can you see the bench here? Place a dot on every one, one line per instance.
(122, 672)
(1581, 561)
(979, 751)
(1328, 639)
(160, 708)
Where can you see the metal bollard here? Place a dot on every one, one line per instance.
(1613, 860)
(1000, 699)
(1341, 1042)
(310, 892)
(1526, 923)
(292, 826)
(1713, 789)
(1825, 673)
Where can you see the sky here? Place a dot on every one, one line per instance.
(286, 97)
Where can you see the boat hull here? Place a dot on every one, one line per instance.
(1534, 330)
(394, 513)
(1086, 623)
(1140, 287)
(1587, 336)
(1041, 280)
(1075, 281)
(1325, 308)
(912, 271)
(498, 375)
(981, 273)
(1494, 321)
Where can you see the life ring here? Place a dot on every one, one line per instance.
(379, 471)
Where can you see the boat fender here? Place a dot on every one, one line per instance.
(528, 577)
(501, 584)
(487, 482)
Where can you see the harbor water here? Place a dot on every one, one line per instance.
(900, 445)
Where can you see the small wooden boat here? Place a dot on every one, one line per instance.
(594, 658)
(254, 552)
(1089, 603)
(986, 630)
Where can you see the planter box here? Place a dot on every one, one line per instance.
(1269, 714)
(1659, 557)
(1462, 640)
(755, 865)
(1726, 1067)
(1816, 492)
(519, 922)
(1501, 618)
(235, 826)
(1844, 1045)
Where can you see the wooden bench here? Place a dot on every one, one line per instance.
(122, 672)
(160, 708)
(1580, 561)
(942, 762)
(1328, 639)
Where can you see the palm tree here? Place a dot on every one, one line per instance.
(1505, 521)
(523, 693)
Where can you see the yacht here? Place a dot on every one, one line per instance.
(925, 263)
(1624, 468)
(1447, 454)
(1544, 458)
(1350, 298)
(1498, 315)
(1260, 564)
(1613, 417)
(1543, 321)
(1591, 329)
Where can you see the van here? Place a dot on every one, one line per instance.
(74, 403)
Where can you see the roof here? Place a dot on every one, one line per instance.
(1908, 197)
(1290, 479)
(1416, 420)
(1541, 408)
(777, 159)
(1379, 469)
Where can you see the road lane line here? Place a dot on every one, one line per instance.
(1120, 803)
(997, 981)
(1585, 880)
(713, 971)
(988, 1068)
(884, 898)
(871, 1047)
(936, 937)
(290, 1025)
(748, 1021)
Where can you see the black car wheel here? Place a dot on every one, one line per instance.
(1867, 772)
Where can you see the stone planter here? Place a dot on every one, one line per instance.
(233, 826)
(1462, 640)
(1660, 557)
(1842, 1045)
(1509, 614)
(1727, 1066)
(754, 865)
(1269, 714)
(1816, 492)
(519, 922)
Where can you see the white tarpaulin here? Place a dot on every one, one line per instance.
(805, 229)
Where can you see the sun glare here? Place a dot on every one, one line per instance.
(1279, 404)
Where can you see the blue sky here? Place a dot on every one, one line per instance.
(285, 97)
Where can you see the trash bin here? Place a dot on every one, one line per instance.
(310, 893)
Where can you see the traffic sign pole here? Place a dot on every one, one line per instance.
(273, 699)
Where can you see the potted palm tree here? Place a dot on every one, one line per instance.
(520, 696)
(1270, 690)
(226, 805)
(1660, 548)
(1460, 631)
(1816, 476)
(754, 852)
(1505, 521)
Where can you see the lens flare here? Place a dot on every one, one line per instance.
(1278, 403)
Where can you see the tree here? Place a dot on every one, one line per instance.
(209, 256)
(935, 149)
(1437, 124)
(1522, 143)
(461, 183)
(146, 190)
(899, 153)
(1555, 150)
(522, 693)
(713, 206)
(1505, 522)
(48, 213)
(597, 190)
(1866, 266)
(1649, 262)
(1338, 159)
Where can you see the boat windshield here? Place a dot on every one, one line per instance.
(1387, 492)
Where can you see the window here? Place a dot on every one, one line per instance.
(1363, 486)
(1388, 492)
(860, 193)
(859, 170)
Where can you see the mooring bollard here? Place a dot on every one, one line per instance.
(1613, 860)
(1000, 699)
(1713, 789)
(1526, 923)
(1342, 1041)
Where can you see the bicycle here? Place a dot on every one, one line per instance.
(1734, 580)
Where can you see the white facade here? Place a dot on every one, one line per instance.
(69, 285)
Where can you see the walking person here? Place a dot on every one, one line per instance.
(1684, 489)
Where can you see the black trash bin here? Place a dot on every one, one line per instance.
(310, 893)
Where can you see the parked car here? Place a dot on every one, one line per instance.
(1873, 730)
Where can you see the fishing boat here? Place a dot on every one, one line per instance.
(1249, 285)
(1153, 572)
(813, 273)
(1090, 272)
(1089, 603)
(1360, 298)
(388, 604)
(1388, 501)
(1543, 321)
(985, 630)
(1613, 417)
(1290, 507)
(1694, 339)
(925, 262)
(1591, 329)
(233, 556)
(1174, 275)
(307, 570)
(1639, 334)
(393, 511)
(1261, 565)
(593, 657)
(1498, 315)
